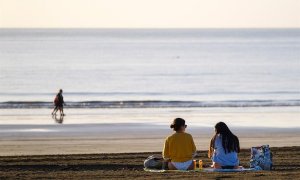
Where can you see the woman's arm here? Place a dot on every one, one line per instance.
(166, 151)
(194, 149)
(211, 147)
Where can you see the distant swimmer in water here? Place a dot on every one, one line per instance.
(59, 103)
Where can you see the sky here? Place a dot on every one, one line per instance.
(149, 13)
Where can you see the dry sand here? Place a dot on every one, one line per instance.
(130, 166)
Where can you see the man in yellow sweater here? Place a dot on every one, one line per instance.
(179, 147)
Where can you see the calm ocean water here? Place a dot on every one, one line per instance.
(150, 68)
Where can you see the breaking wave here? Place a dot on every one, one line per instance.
(150, 104)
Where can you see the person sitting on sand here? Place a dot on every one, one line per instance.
(59, 103)
(224, 148)
(179, 148)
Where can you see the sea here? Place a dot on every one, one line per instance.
(150, 68)
(123, 87)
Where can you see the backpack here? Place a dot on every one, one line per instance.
(153, 162)
(261, 158)
(56, 100)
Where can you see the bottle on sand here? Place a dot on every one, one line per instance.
(200, 164)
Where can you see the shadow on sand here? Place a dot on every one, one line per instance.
(58, 119)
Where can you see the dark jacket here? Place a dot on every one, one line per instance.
(60, 99)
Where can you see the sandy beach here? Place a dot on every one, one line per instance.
(89, 144)
(89, 131)
(125, 138)
(130, 165)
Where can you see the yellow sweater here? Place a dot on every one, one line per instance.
(179, 147)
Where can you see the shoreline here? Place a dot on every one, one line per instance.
(122, 138)
(29, 132)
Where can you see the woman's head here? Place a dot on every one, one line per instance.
(178, 125)
(222, 128)
(230, 142)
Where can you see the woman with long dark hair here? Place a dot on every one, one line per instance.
(224, 148)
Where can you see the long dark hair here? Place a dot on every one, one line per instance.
(230, 142)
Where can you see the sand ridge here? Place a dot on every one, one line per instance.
(130, 165)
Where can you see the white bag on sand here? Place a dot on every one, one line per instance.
(153, 162)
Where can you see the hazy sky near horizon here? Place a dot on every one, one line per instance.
(150, 13)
